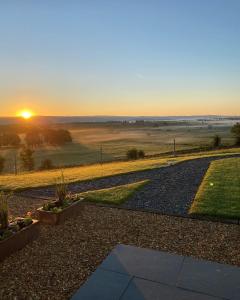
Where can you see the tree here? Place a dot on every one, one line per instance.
(10, 139)
(2, 162)
(57, 137)
(33, 138)
(236, 132)
(26, 156)
(141, 154)
(132, 154)
(46, 164)
(216, 141)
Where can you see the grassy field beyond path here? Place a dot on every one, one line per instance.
(75, 174)
(219, 193)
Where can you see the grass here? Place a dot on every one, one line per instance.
(116, 140)
(219, 193)
(47, 178)
(115, 195)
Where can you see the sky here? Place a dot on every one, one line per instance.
(120, 57)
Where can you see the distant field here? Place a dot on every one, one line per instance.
(115, 140)
(219, 193)
(45, 178)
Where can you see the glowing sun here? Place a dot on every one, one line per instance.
(26, 114)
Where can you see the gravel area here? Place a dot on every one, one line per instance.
(59, 261)
(171, 190)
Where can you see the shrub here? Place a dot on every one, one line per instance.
(135, 154)
(2, 162)
(46, 164)
(236, 132)
(132, 154)
(216, 141)
(26, 156)
(4, 209)
(141, 154)
(61, 191)
(57, 137)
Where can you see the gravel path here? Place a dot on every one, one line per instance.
(171, 190)
(59, 261)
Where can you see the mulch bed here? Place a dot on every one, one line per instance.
(60, 260)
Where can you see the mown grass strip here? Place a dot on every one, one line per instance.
(74, 174)
(219, 193)
(115, 195)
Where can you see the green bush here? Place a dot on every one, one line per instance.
(236, 132)
(141, 154)
(46, 164)
(132, 154)
(61, 190)
(2, 162)
(4, 209)
(216, 141)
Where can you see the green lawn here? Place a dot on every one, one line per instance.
(219, 193)
(115, 195)
(75, 174)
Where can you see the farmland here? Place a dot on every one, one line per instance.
(93, 143)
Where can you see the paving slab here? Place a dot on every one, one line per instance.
(144, 263)
(103, 285)
(140, 289)
(143, 274)
(209, 277)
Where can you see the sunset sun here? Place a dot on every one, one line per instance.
(26, 114)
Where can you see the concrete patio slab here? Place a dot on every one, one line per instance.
(142, 274)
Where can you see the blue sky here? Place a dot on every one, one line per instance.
(172, 57)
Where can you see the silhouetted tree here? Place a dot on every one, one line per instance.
(57, 137)
(26, 156)
(132, 154)
(33, 138)
(2, 162)
(236, 132)
(9, 139)
(216, 141)
(46, 164)
(141, 154)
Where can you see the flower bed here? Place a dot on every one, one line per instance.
(16, 235)
(55, 213)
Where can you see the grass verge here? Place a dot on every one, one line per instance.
(48, 178)
(219, 193)
(115, 195)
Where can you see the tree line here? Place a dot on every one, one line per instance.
(32, 139)
(36, 137)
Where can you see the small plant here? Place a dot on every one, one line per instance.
(2, 162)
(216, 141)
(132, 154)
(236, 132)
(46, 164)
(141, 154)
(4, 209)
(61, 191)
